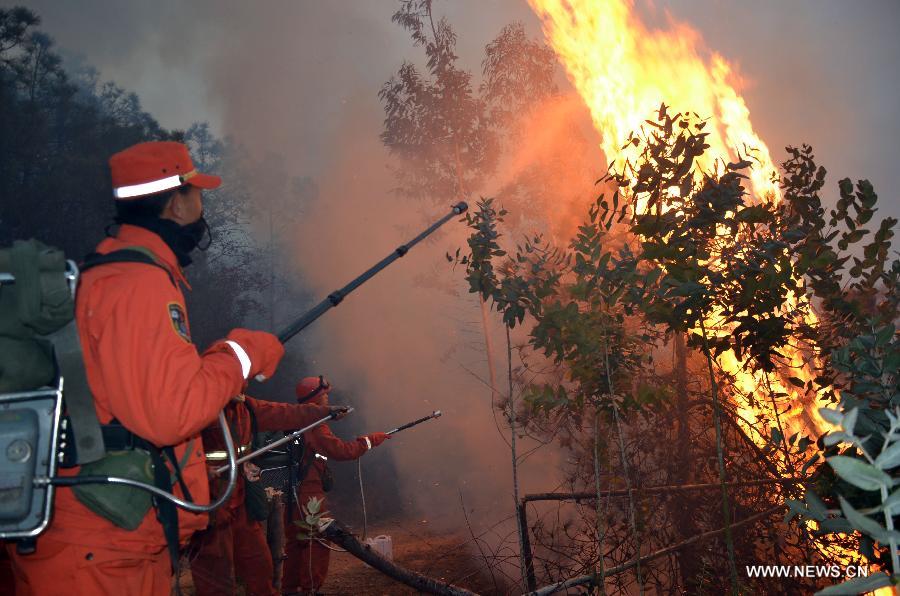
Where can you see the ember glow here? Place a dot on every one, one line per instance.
(623, 71)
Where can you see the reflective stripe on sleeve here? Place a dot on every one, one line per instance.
(223, 455)
(368, 443)
(241, 356)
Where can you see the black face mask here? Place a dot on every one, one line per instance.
(193, 235)
(181, 239)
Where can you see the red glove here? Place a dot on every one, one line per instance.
(378, 438)
(339, 412)
(259, 352)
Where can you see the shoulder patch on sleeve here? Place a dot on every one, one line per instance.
(179, 320)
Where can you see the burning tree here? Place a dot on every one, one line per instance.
(693, 250)
(676, 251)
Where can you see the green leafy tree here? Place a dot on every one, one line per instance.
(732, 273)
(434, 120)
(56, 134)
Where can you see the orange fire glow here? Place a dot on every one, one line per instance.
(623, 70)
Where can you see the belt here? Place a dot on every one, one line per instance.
(223, 455)
(115, 438)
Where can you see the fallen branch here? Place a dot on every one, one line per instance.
(337, 533)
(591, 579)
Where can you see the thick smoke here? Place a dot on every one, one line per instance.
(274, 74)
(408, 342)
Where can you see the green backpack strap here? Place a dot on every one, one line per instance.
(67, 346)
(79, 400)
(132, 254)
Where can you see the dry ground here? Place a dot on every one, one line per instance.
(441, 555)
(445, 556)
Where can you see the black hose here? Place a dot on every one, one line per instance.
(337, 296)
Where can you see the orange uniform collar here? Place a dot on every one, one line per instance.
(129, 235)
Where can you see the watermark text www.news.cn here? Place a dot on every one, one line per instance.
(811, 571)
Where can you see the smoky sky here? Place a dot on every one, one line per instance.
(278, 74)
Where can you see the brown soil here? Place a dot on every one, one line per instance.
(445, 556)
(440, 555)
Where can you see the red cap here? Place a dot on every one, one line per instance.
(310, 388)
(149, 168)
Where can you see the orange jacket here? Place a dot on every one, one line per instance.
(322, 441)
(269, 416)
(144, 371)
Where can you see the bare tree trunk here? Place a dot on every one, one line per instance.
(488, 348)
(515, 461)
(720, 457)
(601, 521)
(624, 460)
(271, 270)
(689, 561)
(631, 509)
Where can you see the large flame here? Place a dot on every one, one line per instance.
(623, 70)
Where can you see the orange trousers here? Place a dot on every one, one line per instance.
(233, 549)
(305, 561)
(61, 569)
(305, 566)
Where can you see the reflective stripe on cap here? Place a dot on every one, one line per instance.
(147, 188)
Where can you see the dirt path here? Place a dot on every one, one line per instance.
(443, 556)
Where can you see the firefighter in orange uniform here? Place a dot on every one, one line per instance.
(147, 376)
(235, 544)
(306, 561)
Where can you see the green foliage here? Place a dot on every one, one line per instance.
(736, 273)
(435, 122)
(867, 372)
(821, 262)
(684, 268)
(518, 71)
(447, 129)
(688, 243)
(869, 466)
(573, 298)
(314, 520)
(857, 342)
